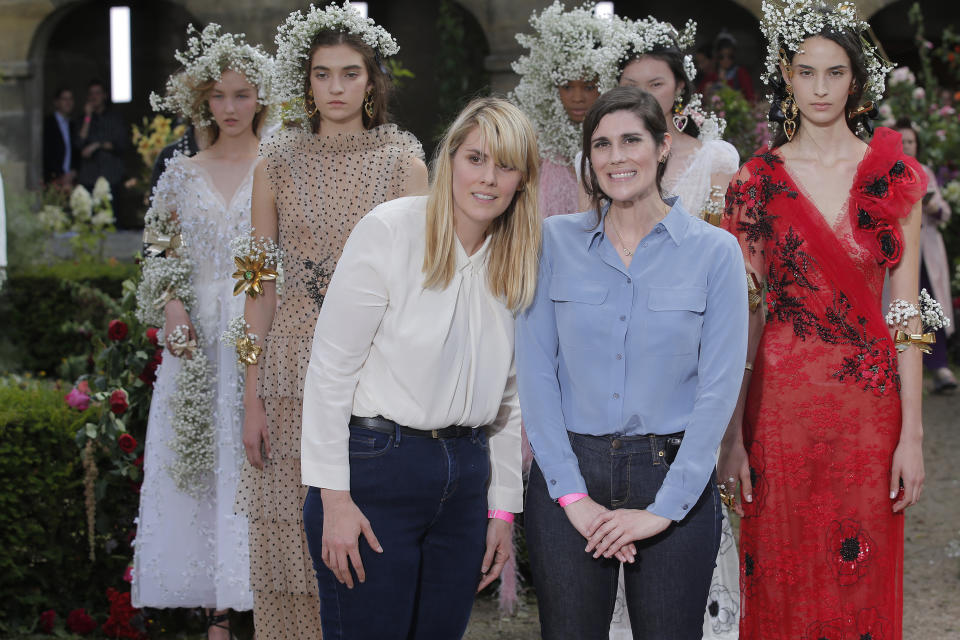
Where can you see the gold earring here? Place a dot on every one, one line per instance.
(790, 111)
(306, 104)
(679, 119)
(368, 104)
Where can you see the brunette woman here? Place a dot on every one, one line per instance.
(628, 364)
(826, 439)
(313, 184)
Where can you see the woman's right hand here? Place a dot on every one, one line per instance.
(343, 523)
(733, 462)
(583, 512)
(255, 432)
(175, 315)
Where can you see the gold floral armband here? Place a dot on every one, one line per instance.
(754, 291)
(928, 313)
(922, 341)
(713, 210)
(248, 353)
(252, 255)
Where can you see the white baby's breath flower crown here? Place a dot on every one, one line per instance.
(634, 38)
(295, 36)
(565, 46)
(786, 25)
(208, 54)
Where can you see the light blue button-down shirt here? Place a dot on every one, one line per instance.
(654, 349)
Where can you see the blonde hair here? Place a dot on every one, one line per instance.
(515, 234)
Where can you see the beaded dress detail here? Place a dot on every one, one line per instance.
(322, 187)
(821, 549)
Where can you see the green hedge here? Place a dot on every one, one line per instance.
(43, 545)
(36, 301)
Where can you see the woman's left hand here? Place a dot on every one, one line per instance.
(499, 548)
(908, 469)
(613, 529)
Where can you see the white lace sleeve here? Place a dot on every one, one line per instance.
(164, 277)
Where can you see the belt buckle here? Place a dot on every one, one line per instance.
(433, 432)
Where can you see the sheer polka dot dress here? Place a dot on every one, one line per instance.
(322, 187)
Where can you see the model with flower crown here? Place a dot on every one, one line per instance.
(826, 439)
(568, 66)
(193, 450)
(338, 159)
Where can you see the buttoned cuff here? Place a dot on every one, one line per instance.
(563, 479)
(325, 476)
(505, 499)
(673, 503)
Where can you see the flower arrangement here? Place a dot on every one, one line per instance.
(746, 124)
(565, 46)
(208, 54)
(788, 24)
(88, 216)
(294, 38)
(152, 136)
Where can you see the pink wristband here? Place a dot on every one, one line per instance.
(506, 516)
(570, 498)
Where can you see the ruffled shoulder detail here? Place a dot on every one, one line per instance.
(886, 186)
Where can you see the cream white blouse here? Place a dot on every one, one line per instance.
(425, 358)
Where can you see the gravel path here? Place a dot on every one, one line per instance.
(932, 554)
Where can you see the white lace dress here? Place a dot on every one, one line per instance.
(194, 552)
(721, 620)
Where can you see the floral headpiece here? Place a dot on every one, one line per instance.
(208, 54)
(787, 25)
(565, 46)
(634, 38)
(638, 37)
(296, 34)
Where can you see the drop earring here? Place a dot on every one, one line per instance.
(679, 118)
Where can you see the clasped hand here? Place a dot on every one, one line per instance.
(611, 533)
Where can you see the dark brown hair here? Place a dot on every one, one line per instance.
(673, 58)
(382, 85)
(639, 103)
(849, 41)
(905, 123)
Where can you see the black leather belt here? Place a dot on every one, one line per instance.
(382, 425)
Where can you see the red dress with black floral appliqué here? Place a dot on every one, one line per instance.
(821, 550)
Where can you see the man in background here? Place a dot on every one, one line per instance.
(59, 159)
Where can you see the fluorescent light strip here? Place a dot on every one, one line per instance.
(604, 10)
(121, 82)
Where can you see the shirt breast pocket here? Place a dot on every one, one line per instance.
(579, 309)
(674, 320)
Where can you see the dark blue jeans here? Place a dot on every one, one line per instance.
(666, 586)
(426, 500)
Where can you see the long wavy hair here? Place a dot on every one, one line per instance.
(515, 234)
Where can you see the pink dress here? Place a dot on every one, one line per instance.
(558, 188)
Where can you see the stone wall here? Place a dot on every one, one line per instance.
(26, 27)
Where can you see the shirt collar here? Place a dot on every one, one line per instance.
(477, 259)
(676, 223)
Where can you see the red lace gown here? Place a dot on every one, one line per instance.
(821, 550)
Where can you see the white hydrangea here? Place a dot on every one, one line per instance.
(565, 46)
(295, 36)
(54, 218)
(81, 204)
(788, 24)
(208, 54)
(101, 191)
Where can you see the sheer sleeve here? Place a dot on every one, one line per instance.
(746, 217)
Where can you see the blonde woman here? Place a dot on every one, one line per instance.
(411, 423)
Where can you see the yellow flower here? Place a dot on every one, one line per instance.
(251, 274)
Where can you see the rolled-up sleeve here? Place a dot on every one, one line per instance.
(723, 350)
(537, 361)
(353, 307)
